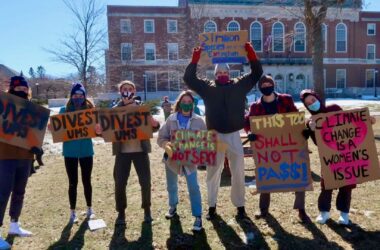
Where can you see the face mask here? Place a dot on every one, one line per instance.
(267, 91)
(127, 94)
(78, 101)
(223, 79)
(315, 106)
(186, 107)
(21, 94)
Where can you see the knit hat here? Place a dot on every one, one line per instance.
(266, 78)
(18, 81)
(77, 88)
(221, 67)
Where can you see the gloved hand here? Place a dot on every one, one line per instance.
(196, 55)
(252, 137)
(251, 54)
(38, 152)
(306, 133)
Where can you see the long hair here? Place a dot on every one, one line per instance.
(179, 99)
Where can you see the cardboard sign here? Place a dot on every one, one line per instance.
(281, 153)
(74, 125)
(22, 123)
(125, 123)
(193, 147)
(223, 47)
(346, 148)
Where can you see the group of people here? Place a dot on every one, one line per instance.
(225, 103)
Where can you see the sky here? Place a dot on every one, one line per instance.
(29, 27)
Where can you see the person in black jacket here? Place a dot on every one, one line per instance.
(224, 100)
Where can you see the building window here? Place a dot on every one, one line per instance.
(151, 81)
(371, 29)
(371, 51)
(127, 75)
(233, 26)
(126, 51)
(278, 37)
(341, 38)
(324, 37)
(150, 51)
(210, 74)
(340, 78)
(234, 73)
(370, 78)
(279, 79)
(149, 26)
(172, 26)
(210, 26)
(173, 79)
(125, 26)
(257, 36)
(172, 51)
(299, 37)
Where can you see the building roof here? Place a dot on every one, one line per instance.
(6, 72)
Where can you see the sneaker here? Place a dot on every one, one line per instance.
(241, 214)
(73, 217)
(211, 213)
(120, 220)
(343, 219)
(15, 229)
(302, 215)
(90, 214)
(323, 217)
(3, 244)
(171, 213)
(197, 226)
(261, 214)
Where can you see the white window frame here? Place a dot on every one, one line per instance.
(121, 51)
(130, 26)
(336, 38)
(168, 26)
(374, 51)
(146, 46)
(251, 34)
(374, 29)
(124, 78)
(336, 78)
(155, 78)
(295, 34)
(177, 47)
(283, 37)
(326, 38)
(374, 77)
(210, 21)
(178, 79)
(153, 26)
(231, 22)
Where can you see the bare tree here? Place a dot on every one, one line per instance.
(85, 46)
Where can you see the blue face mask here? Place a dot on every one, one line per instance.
(78, 101)
(315, 106)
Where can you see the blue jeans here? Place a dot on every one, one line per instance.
(192, 186)
(14, 176)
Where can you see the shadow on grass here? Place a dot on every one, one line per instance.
(249, 228)
(286, 240)
(77, 242)
(315, 177)
(180, 240)
(119, 241)
(356, 235)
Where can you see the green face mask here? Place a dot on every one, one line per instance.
(186, 107)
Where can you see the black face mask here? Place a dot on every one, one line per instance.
(267, 91)
(21, 94)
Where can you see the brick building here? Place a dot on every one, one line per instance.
(152, 45)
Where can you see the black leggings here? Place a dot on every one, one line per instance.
(72, 172)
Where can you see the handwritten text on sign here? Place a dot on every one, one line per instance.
(346, 148)
(22, 123)
(223, 47)
(281, 153)
(194, 147)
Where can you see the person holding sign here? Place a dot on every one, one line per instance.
(272, 103)
(78, 151)
(224, 100)
(135, 151)
(15, 165)
(315, 106)
(182, 118)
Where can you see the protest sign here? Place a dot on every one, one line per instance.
(74, 125)
(346, 148)
(223, 47)
(194, 147)
(125, 123)
(281, 153)
(22, 123)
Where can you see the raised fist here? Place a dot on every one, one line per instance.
(196, 55)
(251, 54)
